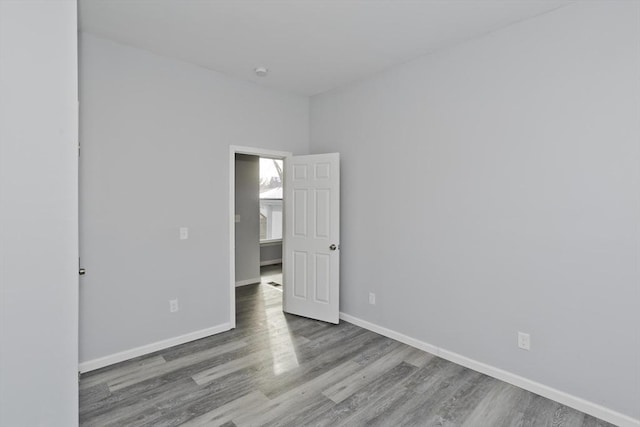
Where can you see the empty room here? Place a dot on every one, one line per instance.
(320, 213)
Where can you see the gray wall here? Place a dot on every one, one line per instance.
(155, 157)
(38, 214)
(248, 208)
(271, 252)
(492, 188)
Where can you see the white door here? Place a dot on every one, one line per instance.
(312, 236)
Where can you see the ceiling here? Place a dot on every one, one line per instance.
(309, 46)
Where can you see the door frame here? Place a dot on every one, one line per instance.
(253, 151)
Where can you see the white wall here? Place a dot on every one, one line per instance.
(38, 214)
(248, 229)
(509, 170)
(155, 138)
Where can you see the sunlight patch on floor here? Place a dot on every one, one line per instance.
(283, 349)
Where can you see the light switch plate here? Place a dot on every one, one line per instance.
(184, 233)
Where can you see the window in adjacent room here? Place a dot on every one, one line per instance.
(270, 199)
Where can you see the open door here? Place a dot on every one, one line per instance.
(311, 247)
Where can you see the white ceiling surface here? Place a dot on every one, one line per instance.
(309, 46)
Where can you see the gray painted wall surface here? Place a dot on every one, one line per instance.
(270, 252)
(509, 171)
(38, 214)
(155, 138)
(248, 207)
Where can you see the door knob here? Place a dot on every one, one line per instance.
(333, 247)
(82, 272)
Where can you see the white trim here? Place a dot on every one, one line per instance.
(390, 334)
(247, 282)
(271, 262)
(101, 362)
(562, 397)
(566, 399)
(233, 150)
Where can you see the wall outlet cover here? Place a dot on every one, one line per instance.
(524, 341)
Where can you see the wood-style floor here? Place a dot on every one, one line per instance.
(277, 369)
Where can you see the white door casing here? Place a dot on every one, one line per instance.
(312, 236)
(253, 151)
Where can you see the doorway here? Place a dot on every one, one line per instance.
(271, 206)
(234, 219)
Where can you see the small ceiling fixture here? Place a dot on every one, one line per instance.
(261, 71)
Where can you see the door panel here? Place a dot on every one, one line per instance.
(300, 213)
(322, 282)
(299, 282)
(323, 215)
(312, 236)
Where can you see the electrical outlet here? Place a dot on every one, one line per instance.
(524, 341)
(173, 306)
(372, 298)
(184, 233)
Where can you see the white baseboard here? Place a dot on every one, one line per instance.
(271, 262)
(92, 365)
(566, 399)
(247, 282)
(390, 334)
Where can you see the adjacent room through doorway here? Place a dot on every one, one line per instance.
(258, 219)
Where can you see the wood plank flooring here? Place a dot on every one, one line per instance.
(277, 369)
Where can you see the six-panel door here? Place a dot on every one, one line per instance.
(312, 236)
